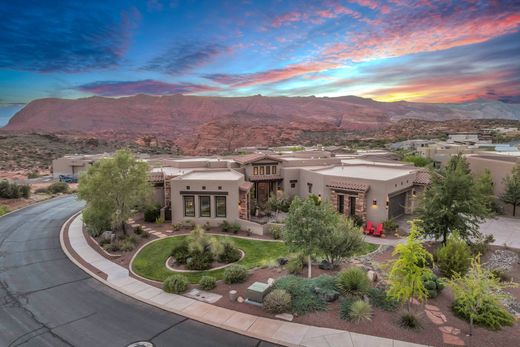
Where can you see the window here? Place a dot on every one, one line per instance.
(293, 185)
(261, 170)
(219, 187)
(309, 186)
(267, 170)
(220, 202)
(255, 170)
(273, 170)
(189, 206)
(341, 204)
(187, 187)
(203, 187)
(205, 206)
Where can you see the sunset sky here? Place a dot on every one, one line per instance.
(428, 51)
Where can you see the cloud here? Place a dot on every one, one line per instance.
(332, 9)
(66, 37)
(185, 57)
(152, 87)
(270, 76)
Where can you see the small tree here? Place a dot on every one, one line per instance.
(452, 203)
(511, 194)
(484, 186)
(112, 187)
(342, 241)
(407, 272)
(305, 222)
(476, 291)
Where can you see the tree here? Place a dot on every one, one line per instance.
(341, 241)
(484, 186)
(305, 222)
(476, 292)
(112, 187)
(511, 194)
(452, 202)
(407, 272)
(417, 160)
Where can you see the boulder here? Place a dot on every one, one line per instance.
(240, 299)
(233, 294)
(372, 276)
(107, 235)
(285, 316)
(325, 265)
(282, 261)
(270, 281)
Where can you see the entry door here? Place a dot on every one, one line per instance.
(396, 205)
(263, 192)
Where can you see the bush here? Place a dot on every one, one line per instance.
(344, 309)
(3, 210)
(277, 301)
(151, 213)
(357, 220)
(360, 311)
(175, 284)
(199, 260)
(230, 253)
(304, 298)
(353, 281)
(235, 274)
(491, 315)
(390, 226)
(14, 190)
(276, 232)
(227, 227)
(58, 187)
(502, 274)
(24, 191)
(295, 265)
(207, 282)
(138, 230)
(113, 246)
(127, 245)
(410, 321)
(325, 287)
(433, 285)
(181, 252)
(481, 244)
(379, 298)
(454, 257)
(159, 220)
(41, 191)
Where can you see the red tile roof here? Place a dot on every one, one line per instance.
(358, 187)
(246, 186)
(251, 158)
(422, 178)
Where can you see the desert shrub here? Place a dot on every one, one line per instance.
(175, 284)
(199, 260)
(379, 298)
(295, 265)
(151, 213)
(481, 244)
(230, 253)
(353, 281)
(207, 282)
(225, 226)
(325, 287)
(159, 220)
(235, 274)
(409, 321)
(277, 301)
(491, 315)
(134, 239)
(454, 257)
(33, 174)
(58, 187)
(127, 245)
(181, 252)
(390, 226)
(41, 191)
(344, 309)
(138, 230)
(502, 274)
(433, 285)
(113, 246)
(230, 227)
(360, 311)
(3, 210)
(276, 232)
(304, 299)
(14, 190)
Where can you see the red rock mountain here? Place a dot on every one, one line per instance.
(201, 124)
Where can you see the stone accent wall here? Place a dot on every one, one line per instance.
(243, 203)
(361, 206)
(408, 206)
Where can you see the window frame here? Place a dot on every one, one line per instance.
(185, 200)
(201, 197)
(268, 170)
(255, 170)
(273, 170)
(221, 198)
(262, 170)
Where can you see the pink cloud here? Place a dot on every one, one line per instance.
(152, 87)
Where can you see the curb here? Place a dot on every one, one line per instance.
(180, 313)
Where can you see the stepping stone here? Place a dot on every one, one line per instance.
(431, 307)
(434, 318)
(450, 330)
(452, 340)
(285, 316)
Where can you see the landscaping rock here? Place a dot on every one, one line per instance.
(285, 316)
(502, 259)
(107, 235)
(233, 295)
(282, 261)
(325, 265)
(240, 300)
(270, 281)
(372, 276)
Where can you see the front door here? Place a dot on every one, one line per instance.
(262, 192)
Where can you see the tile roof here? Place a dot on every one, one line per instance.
(250, 158)
(422, 177)
(358, 187)
(264, 177)
(246, 186)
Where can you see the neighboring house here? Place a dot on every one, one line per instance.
(73, 165)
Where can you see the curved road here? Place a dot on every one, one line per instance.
(45, 300)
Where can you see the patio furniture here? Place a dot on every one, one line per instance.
(369, 228)
(379, 230)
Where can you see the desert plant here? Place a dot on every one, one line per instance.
(58, 187)
(410, 321)
(127, 245)
(342, 241)
(390, 226)
(13, 190)
(230, 253)
(175, 284)
(41, 191)
(295, 265)
(360, 311)
(207, 282)
(304, 298)
(181, 252)
(277, 301)
(113, 246)
(276, 232)
(481, 244)
(199, 260)
(344, 309)
(454, 257)
(433, 285)
(353, 281)
(379, 298)
(235, 274)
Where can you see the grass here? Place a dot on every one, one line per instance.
(150, 261)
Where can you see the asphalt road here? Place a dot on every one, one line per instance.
(45, 300)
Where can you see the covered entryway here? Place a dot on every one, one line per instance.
(397, 205)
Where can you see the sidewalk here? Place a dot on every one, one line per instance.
(276, 331)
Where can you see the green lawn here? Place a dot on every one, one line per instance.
(150, 261)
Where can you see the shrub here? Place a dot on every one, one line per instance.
(277, 301)
(233, 227)
(344, 309)
(357, 220)
(127, 245)
(33, 174)
(491, 315)
(276, 232)
(113, 246)
(481, 244)
(360, 311)
(41, 191)
(180, 252)
(175, 284)
(199, 260)
(58, 187)
(14, 190)
(454, 257)
(159, 220)
(304, 298)
(433, 285)
(3, 210)
(501, 274)
(379, 298)
(295, 265)
(235, 274)
(207, 282)
(325, 287)
(230, 253)
(390, 226)
(138, 230)
(151, 213)
(353, 281)
(410, 321)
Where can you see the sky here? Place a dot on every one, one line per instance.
(414, 50)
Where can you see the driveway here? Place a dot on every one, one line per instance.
(505, 230)
(45, 300)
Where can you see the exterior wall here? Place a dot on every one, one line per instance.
(69, 167)
(291, 174)
(231, 188)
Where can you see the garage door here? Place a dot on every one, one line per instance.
(396, 205)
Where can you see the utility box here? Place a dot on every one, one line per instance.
(257, 291)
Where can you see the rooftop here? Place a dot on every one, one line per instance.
(217, 175)
(369, 172)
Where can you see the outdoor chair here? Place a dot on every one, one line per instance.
(379, 230)
(369, 228)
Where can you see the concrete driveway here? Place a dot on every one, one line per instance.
(505, 230)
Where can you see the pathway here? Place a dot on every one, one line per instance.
(505, 230)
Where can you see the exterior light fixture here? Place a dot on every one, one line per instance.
(374, 203)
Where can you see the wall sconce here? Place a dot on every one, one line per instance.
(387, 203)
(374, 203)
(414, 194)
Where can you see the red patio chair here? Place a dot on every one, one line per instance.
(369, 228)
(379, 230)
